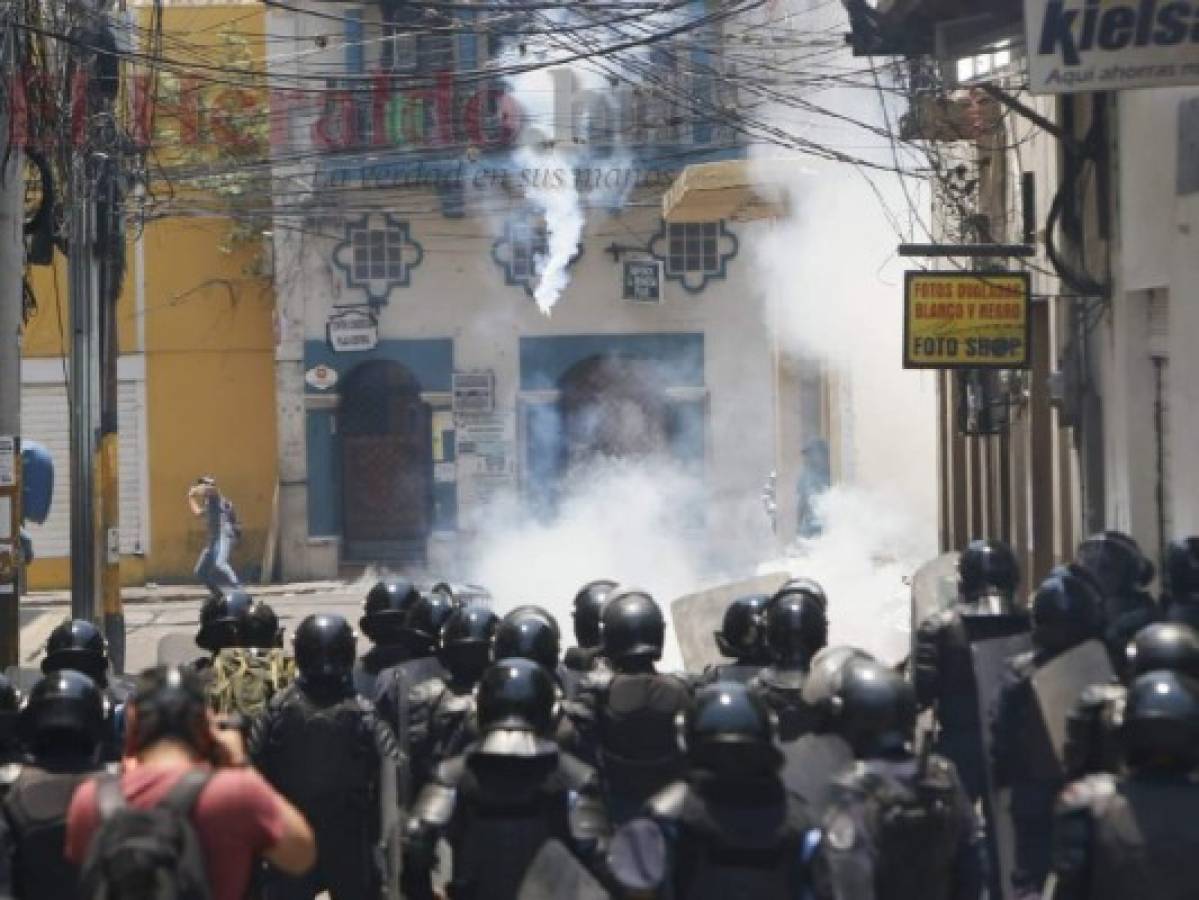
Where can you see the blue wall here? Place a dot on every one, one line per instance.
(431, 361)
(544, 360)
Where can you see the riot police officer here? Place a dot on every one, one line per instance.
(529, 632)
(988, 575)
(441, 709)
(320, 725)
(382, 622)
(626, 723)
(64, 726)
(796, 629)
(898, 826)
(1180, 594)
(420, 630)
(1137, 835)
(1122, 571)
(1093, 729)
(742, 638)
(261, 629)
(808, 586)
(78, 645)
(1067, 611)
(506, 797)
(730, 829)
(222, 621)
(585, 656)
(10, 743)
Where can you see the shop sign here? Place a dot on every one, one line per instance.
(352, 331)
(955, 320)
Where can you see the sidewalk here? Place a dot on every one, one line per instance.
(172, 593)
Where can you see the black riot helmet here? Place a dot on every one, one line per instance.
(729, 731)
(223, 619)
(807, 586)
(10, 705)
(425, 617)
(825, 675)
(1161, 722)
(528, 632)
(1181, 574)
(384, 608)
(632, 627)
(1116, 560)
(516, 700)
(77, 644)
(1066, 610)
(987, 568)
(324, 648)
(742, 634)
(796, 627)
(65, 714)
(588, 606)
(1164, 645)
(875, 709)
(466, 642)
(261, 630)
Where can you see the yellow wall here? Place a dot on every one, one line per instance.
(209, 353)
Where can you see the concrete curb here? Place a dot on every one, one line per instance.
(186, 593)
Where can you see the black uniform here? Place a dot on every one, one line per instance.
(78, 645)
(742, 638)
(324, 748)
(1138, 835)
(65, 723)
(730, 829)
(325, 753)
(509, 795)
(586, 656)
(897, 829)
(796, 625)
(1121, 571)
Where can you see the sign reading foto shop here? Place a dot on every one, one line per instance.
(352, 331)
(956, 320)
(1108, 45)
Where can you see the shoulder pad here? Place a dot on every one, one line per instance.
(1087, 793)
(435, 805)
(9, 773)
(668, 803)
(1102, 694)
(1022, 663)
(450, 772)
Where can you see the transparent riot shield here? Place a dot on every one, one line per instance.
(697, 617)
(556, 873)
(1058, 685)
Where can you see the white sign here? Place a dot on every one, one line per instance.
(352, 331)
(474, 392)
(8, 460)
(321, 377)
(1082, 45)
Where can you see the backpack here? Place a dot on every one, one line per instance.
(36, 813)
(146, 854)
(243, 681)
(916, 828)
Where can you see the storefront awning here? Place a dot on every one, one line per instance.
(737, 189)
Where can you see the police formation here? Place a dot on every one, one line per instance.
(1039, 749)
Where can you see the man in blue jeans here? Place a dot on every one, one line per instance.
(213, 568)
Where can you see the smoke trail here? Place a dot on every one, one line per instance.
(563, 210)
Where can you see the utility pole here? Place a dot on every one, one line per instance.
(12, 269)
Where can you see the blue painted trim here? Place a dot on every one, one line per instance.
(431, 361)
(544, 360)
(354, 55)
(324, 474)
(377, 294)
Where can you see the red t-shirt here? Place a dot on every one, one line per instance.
(237, 817)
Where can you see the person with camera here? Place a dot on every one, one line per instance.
(187, 807)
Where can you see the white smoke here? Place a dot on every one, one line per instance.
(562, 207)
(621, 521)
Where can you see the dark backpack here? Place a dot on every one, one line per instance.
(36, 809)
(146, 854)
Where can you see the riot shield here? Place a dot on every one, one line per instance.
(178, 649)
(695, 617)
(991, 653)
(811, 763)
(556, 873)
(23, 678)
(1058, 685)
(934, 588)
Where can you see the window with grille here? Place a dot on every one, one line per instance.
(528, 244)
(378, 253)
(693, 247)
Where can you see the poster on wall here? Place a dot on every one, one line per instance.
(486, 446)
(1081, 45)
(961, 320)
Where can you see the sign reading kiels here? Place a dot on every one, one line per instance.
(1109, 45)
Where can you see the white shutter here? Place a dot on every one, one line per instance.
(45, 419)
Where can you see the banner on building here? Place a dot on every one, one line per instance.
(1083, 45)
(955, 320)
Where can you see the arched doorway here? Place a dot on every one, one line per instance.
(386, 465)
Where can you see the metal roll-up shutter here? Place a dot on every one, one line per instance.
(45, 419)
